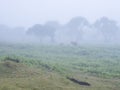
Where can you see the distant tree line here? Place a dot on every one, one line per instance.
(78, 30)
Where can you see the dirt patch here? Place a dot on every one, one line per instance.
(78, 82)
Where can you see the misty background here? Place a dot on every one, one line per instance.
(60, 21)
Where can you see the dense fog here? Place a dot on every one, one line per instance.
(77, 31)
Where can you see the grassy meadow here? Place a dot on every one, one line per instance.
(46, 67)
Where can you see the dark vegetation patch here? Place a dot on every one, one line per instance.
(12, 59)
(78, 82)
(46, 66)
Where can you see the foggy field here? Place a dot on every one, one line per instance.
(59, 44)
(46, 67)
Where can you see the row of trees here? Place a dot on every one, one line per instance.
(77, 30)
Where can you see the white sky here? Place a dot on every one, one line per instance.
(29, 12)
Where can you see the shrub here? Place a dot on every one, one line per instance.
(12, 59)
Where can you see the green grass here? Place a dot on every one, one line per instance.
(37, 67)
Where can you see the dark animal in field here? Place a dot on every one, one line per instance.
(78, 82)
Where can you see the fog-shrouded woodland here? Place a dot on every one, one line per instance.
(76, 32)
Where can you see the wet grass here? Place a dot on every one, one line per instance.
(37, 67)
